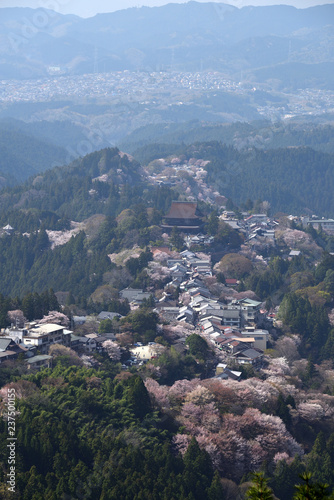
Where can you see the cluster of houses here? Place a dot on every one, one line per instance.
(326, 225)
(32, 342)
(231, 327)
(258, 229)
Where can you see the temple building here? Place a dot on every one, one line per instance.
(184, 215)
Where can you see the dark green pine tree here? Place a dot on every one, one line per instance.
(42, 241)
(215, 491)
(285, 477)
(138, 397)
(310, 370)
(53, 301)
(28, 306)
(212, 224)
(34, 486)
(259, 489)
(311, 491)
(283, 410)
(176, 239)
(198, 473)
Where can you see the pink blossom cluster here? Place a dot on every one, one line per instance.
(58, 238)
(113, 350)
(55, 317)
(236, 443)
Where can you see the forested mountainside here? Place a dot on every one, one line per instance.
(292, 179)
(105, 183)
(23, 155)
(30, 147)
(98, 183)
(55, 132)
(115, 442)
(40, 145)
(258, 134)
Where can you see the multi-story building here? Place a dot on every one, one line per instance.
(40, 336)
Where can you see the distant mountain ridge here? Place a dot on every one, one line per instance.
(215, 37)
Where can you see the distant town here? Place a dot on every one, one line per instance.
(149, 88)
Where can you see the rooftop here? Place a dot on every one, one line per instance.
(40, 330)
(4, 343)
(182, 210)
(37, 359)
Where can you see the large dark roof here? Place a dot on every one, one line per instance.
(182, 210)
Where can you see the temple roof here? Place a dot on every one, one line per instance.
(182, 210)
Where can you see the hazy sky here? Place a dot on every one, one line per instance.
(87, 8)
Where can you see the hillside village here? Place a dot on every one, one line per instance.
(196, 296)
(229, 326)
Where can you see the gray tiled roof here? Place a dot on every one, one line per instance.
(36, 359)
(4, 343)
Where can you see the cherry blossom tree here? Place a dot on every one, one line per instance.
(278, 367)
(158, 393)
(237, 442)
(59, 350)
(282, 456)
(185, 298)
(180, 388)
(161, 257)
(17, 318)
(88, 361)
(315, 410)
(299, 240)
(199, 396)
(157, 272)
(125, 338)
(248, 294)
(180, 443)
(56, 317)
(113, 350)
(287, 346)
(23, 389)
(58, 238)
(224, 395)
(173, 332)
(331, 317)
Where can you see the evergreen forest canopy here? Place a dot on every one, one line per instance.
(103, 182)
(84, 434)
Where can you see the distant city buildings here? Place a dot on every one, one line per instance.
(140, 85)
